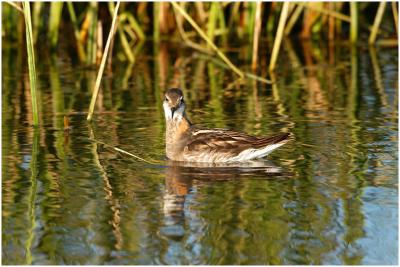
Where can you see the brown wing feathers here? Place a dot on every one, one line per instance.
(231, 141)
(264, 141)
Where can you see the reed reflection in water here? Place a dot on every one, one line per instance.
(329, 198)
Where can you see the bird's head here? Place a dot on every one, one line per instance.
(174, 106)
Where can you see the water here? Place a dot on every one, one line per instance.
(330, 196)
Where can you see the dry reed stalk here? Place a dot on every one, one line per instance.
(331, 23)
(103, 63)
(279, 35)
(257, 30)
(377, 22)
(185, 37)
(200, 11)
(209, 42)
(99, 42)
(123, 151)
(334, 14)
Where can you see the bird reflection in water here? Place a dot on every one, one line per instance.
(179, 177)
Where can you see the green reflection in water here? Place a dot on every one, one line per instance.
(89, 205)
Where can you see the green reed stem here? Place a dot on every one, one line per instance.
(125, 45)
(135, 25)
(91, 39)
(234, 17)
(209, 42)
(354, 22)
(54, 22)
(270, 25)
(251, 20)
(377, 23)
(124, 41)
(256, 35)
(279, 35)
(222, 24)
(212, 20)
(31, 61)
(156, 21)
(37, 23)
(79, 43)
(103, 63)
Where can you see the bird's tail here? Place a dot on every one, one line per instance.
(263, 146)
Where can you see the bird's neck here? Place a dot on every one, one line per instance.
(177, 128)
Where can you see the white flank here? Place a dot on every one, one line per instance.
(253, 153)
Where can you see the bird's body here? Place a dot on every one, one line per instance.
(187, 142)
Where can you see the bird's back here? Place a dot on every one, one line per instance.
(221, 145)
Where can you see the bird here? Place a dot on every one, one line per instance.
(187, 142)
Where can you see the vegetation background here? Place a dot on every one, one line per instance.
(209, 27)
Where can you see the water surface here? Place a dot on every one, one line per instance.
(330, 196)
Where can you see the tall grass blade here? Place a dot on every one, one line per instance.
(54, 22)
(279, 35)
(377, 22)
(209, 42)
(31, 61)
(103, 63)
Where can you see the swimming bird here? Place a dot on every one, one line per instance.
(187, 142)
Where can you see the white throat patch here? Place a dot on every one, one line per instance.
(178, 114)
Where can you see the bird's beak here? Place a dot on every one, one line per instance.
(172, 112)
